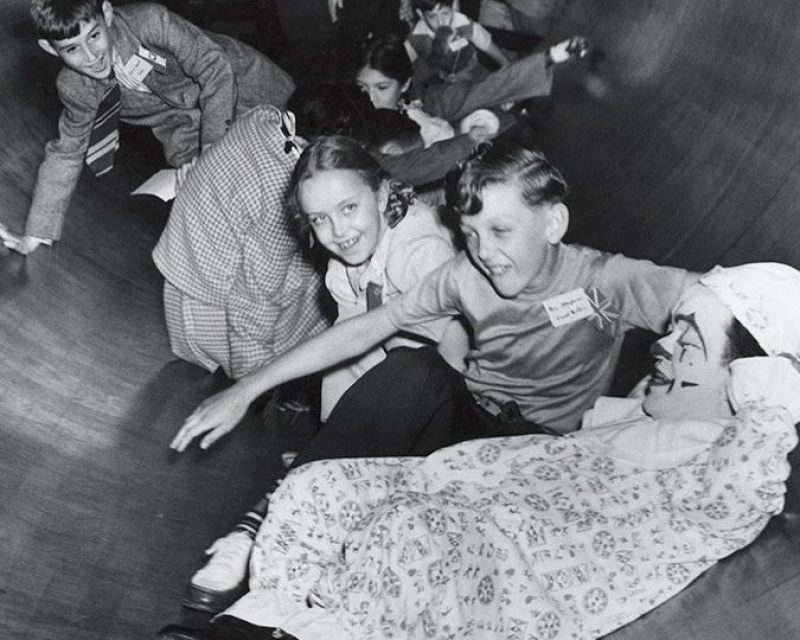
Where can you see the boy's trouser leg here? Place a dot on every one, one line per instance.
(525, 78)
(411, 404)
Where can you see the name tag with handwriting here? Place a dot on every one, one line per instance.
(568, 307)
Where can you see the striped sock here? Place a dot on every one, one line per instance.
(251, 521)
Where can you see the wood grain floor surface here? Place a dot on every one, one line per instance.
(682, 146)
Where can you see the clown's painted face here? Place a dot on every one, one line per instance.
(690, 374)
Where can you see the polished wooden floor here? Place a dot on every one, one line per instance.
(681, 146)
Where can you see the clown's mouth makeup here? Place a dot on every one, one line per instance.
(658, 379)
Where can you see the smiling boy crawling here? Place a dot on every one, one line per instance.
(142, 65)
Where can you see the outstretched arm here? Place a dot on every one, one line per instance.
(495, 54)
(220, 413)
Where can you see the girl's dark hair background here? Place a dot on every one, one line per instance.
(390, 126)
(387, 53)
(502, 163)
(332, 108)
(329, 153)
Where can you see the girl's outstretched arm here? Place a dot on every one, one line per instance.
(220, 413)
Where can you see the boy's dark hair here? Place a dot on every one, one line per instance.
(428, 5)
(332, 108)
(328, 153)
(387, 53)
(539, 181)
(61, 19)
(741, 343)
(393, 128)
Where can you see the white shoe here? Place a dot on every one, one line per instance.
(223, 579)
(227, 567)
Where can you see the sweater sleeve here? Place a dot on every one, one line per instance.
(63, 158)
(203, 60)
(427, 165)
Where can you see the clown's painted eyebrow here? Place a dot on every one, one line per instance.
(689, 319)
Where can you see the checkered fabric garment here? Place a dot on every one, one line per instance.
(240, 290)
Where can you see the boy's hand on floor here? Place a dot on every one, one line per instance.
(215, 417)
(9, 239)
(22, 244)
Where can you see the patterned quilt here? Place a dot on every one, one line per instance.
(532, 537)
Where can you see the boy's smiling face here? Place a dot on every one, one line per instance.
(438, 17)
(89, 52)
(511, 242)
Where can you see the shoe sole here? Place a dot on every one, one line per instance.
(199, 599)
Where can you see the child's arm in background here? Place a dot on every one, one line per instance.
(482, 40)
(222, 412)
(495, 54)
(422, 166)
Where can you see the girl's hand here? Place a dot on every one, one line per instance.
(215, 417)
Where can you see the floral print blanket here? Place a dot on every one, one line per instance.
(532, 537)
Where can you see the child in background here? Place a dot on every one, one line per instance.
(381, 244)
(142, 65)
(387, 76)
(448, 42)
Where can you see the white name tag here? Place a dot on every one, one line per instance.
(458, 43)
(137, 69)
(568, 307)
(156, 59)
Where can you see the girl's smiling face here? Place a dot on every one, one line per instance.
(690, 375)
(344, 212)
(383, 91)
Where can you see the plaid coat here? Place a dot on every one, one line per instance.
(240, 290)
